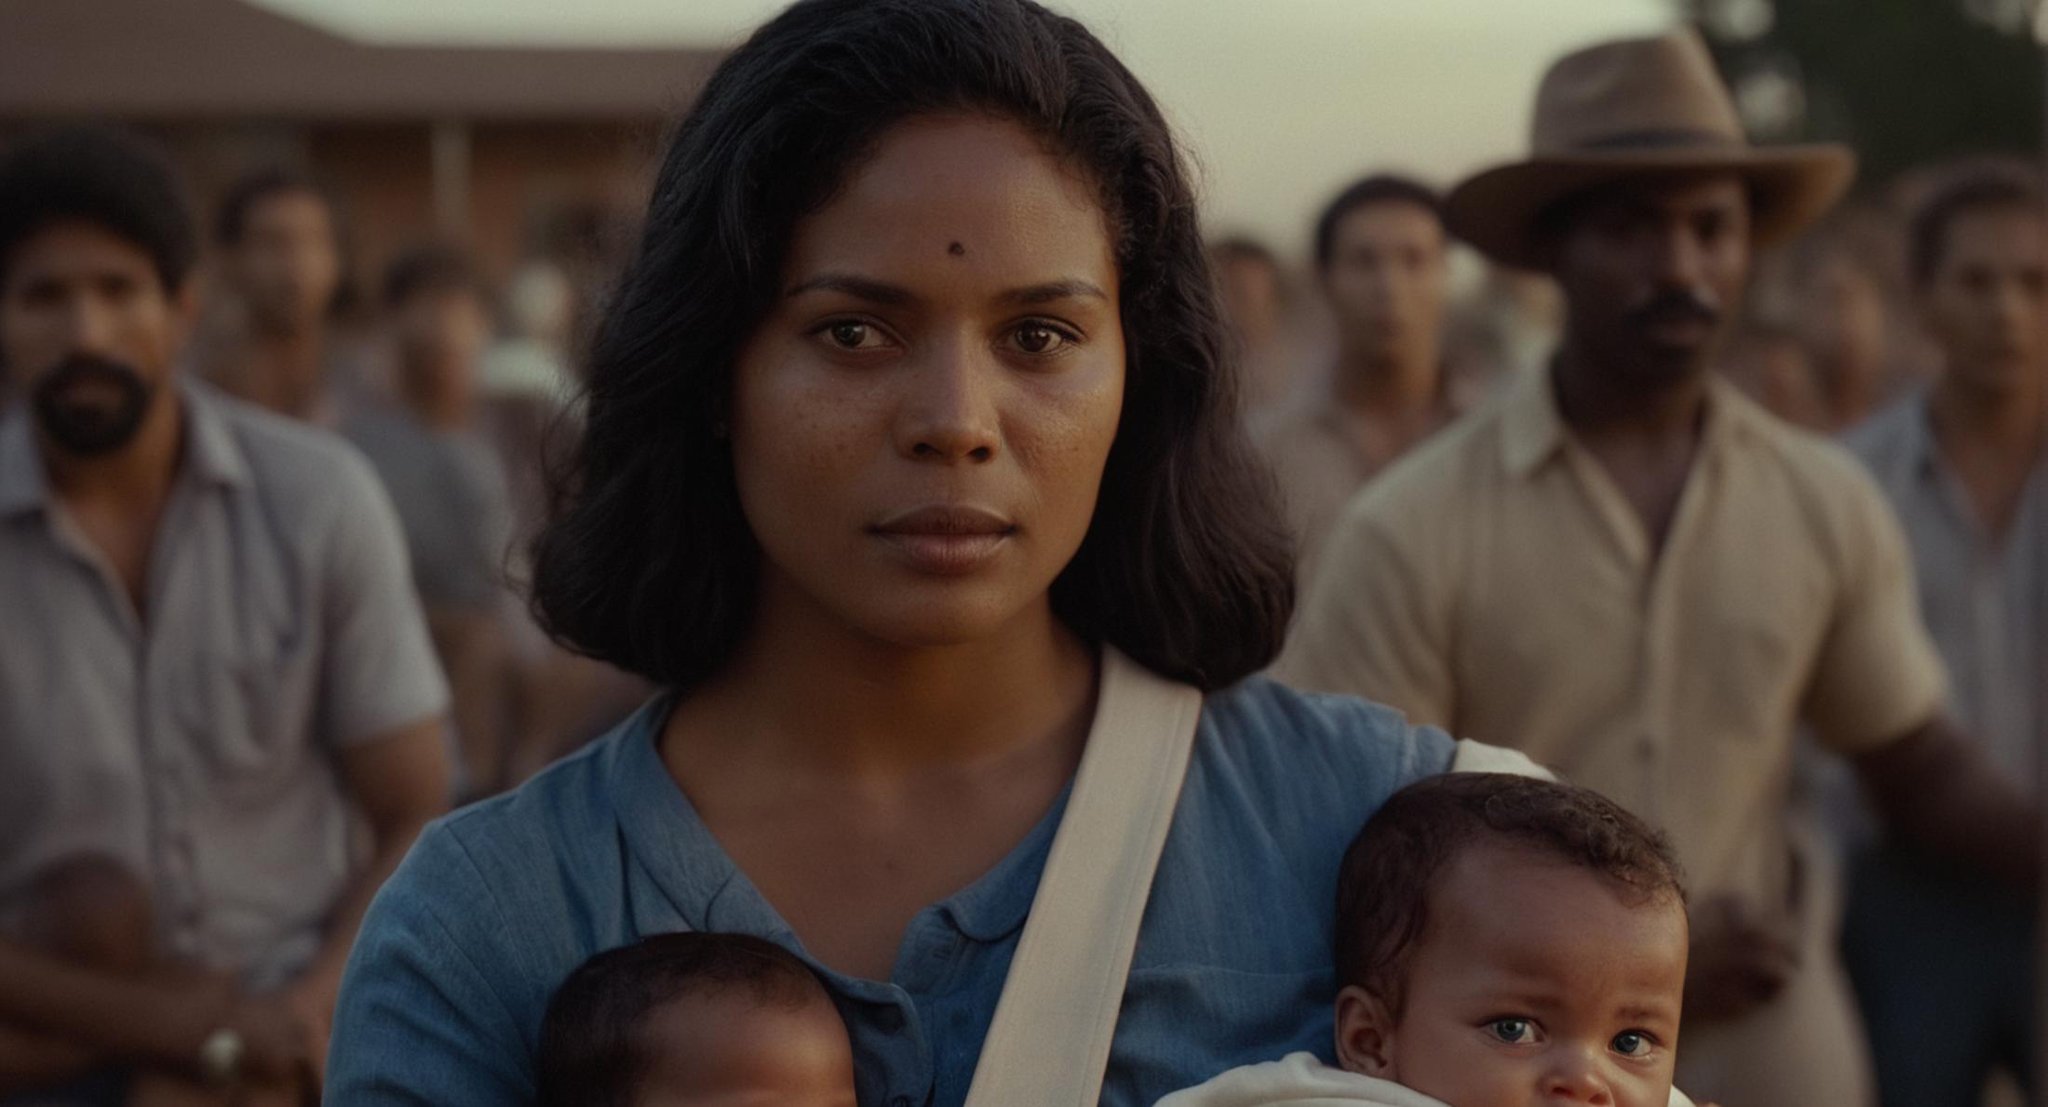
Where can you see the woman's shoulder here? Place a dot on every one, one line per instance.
(1301, 771)
(561, 822)
(493, 905)
(1264, 725)
(545, 854)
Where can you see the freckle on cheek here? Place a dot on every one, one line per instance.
(957, 250)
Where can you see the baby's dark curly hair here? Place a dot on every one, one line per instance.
(1383, 889)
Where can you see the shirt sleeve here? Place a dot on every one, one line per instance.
(378, 670)
(1373, 626)
(418, 1023)
(1878, 676)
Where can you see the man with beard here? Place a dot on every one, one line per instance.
(281, 263)
(1637, 576)
(220, 717)
(1963, 463)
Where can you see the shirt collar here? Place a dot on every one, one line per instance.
(1922, 449)
(1533, 431)
(665, 834)
(211, 454)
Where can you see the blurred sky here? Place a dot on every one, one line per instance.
(1282, 101)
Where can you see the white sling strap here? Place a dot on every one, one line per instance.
(1049, 1043)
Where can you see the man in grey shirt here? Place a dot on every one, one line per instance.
(220, 716)
(451, 493)
(1939, 958)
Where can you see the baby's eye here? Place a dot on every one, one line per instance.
(1632, 1043)
(1511, 1030)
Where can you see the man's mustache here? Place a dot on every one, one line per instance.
(1677, 303)
(84, 367)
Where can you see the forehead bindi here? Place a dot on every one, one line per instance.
(952, 198)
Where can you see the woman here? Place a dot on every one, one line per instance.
(911, 403)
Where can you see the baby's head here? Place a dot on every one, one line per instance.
(697, 1020)
(1507, 942)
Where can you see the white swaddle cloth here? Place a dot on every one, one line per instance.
(1302, 1081)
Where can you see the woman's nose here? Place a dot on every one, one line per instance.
(949, 412)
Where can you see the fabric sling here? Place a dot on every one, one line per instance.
(1049, 1043)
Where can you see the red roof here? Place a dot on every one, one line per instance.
(224, 59)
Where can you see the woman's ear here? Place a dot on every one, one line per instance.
(1365, 1034)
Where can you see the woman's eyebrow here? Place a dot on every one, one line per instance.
(879, 292)
(860, 288)
(1055, 290)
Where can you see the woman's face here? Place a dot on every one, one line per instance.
(920, 424)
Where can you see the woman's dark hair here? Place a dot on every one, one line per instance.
(592, 1045)
(649, 563)
(107, 178)
(1384, 885)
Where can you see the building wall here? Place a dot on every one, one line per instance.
(533, 188)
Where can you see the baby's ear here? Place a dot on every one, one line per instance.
(1365, 1034)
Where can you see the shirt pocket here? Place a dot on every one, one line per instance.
(1182, 1024)
(1764, 665)
(243, 713)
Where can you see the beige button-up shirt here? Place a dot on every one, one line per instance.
(194, 742)
(1497, 583)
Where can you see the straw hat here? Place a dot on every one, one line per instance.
(1638, 106)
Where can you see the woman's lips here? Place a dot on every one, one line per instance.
(946, 540)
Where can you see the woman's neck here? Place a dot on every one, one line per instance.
(808, 691)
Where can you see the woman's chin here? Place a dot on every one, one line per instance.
(940, 622)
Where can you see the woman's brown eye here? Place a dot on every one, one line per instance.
(1037, 340)
(850, 335)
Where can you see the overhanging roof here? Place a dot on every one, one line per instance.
(224, 59)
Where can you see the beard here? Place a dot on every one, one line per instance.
(92, 426)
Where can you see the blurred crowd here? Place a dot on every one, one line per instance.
(1903, 325)
(456, 390)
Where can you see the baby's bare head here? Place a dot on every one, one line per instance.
(694, 1018)
(1502, 941)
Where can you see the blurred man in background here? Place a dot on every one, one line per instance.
(449, 487)
(215, 685)
(1254, 295)
(1940, 957)
(1380, 261)
(1842, 306)
(1634, 574)
(280, 250)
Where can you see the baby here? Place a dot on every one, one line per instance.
(694, 1019)
(1501, 942)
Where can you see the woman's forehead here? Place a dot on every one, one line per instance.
(971, 195)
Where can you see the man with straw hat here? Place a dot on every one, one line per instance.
(1634, 574)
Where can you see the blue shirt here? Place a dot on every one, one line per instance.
(499, 902)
